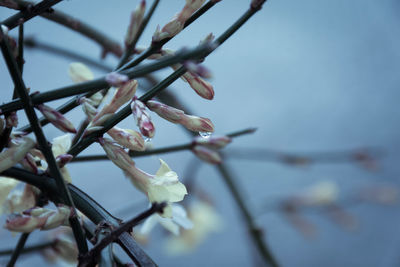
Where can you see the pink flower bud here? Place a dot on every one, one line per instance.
(38, 218)
(197, 69)
(115, 79)
(207, 155)
(116, 154)
(173, 27)
(201, 87)
(29, 163)
(63, 159)
(15, 154)
(213, 142)
(143, 119)
(12, 120)
(136, 21)
(127, 138)
(198, 124)
(57, 119)
(169, 113)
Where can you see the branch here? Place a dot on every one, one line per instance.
(41, 139)
(89, 207)
(90, 258)
(29, 11)
(18, 249)
(28, 249)
(175, 148)
(101, 83)
(74, 24)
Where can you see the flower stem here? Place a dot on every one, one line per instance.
(41, 139)
(28, 249)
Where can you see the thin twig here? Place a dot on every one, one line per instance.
(175, 148)
(28, 249)
(92, 255)
(29, 11)
(74, 24)
(18, 249)
(41, 139)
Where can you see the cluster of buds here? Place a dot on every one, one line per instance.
(173, 27)
(163, 186)
(142, 117)
(136, 21)
(16, 153)
(122, 95)
(39, 218)
(57, 119)
(194, 74)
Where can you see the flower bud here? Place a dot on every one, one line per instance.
(198, 124)
(143, 119)
(121, 96)
(57, 119)
(207, 155)
(197, 69)
(136, 21)
(127, 138)
(169, 113)
(115, 79)
(116, 154)
(63, 159)
(12, 120)
(200, 86)
(213, 142)
(38, 218)
(79, 72)
(29, 163)
(15, 154)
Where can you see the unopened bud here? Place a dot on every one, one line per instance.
(136, 21)
(116, 154)
(143, 119)
(200, 86)
(57, 119)
(198, 124)
(63, 159)
(15, 154)
(169, 113)
(213, 142)
(115, 79)
(127, 138)
(29, 163)
(197, 69)
(207, 155)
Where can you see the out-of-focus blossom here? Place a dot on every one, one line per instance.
(164, 186)
(20, 200)
(4, 28)
(173, 27)
(366, 160)
(38, 218)
(78, 73)
(15, 154)
(115, 79)
(136, 21)
(207, 154)
(205, 220)
(213, 142)
(57, 119)
(322, 193)
(127, 138)
(178, 220)
(381, 194)
(143, 119)
(6, 185)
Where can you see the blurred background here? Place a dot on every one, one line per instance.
(313, 76)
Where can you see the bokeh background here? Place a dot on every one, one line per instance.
(310, 75)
